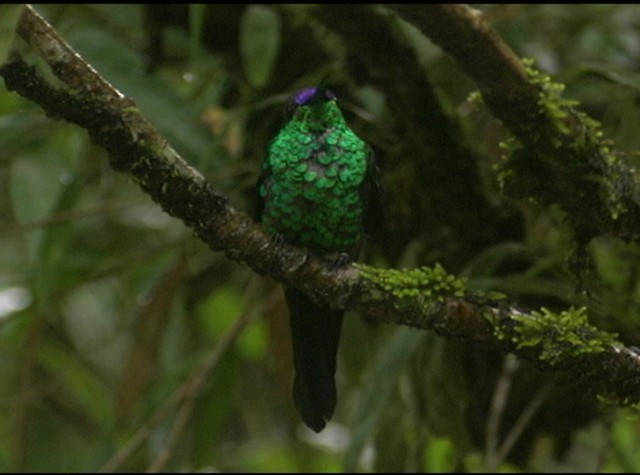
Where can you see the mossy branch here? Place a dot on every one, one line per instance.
(559, 154)
(430, 298)
(426, 298)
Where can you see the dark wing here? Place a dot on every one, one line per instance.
(371, 196)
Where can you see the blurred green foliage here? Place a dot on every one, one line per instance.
(107, 306)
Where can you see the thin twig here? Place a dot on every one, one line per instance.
(522, 421)
(182, 393)
(185, 395)
(498, 403)
(143, 433)
(199, 378)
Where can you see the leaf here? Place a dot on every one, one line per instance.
(378, 387)
(177, 119)
(9, 17)
(197, 19)
(45, 183)
(259, 43)
(33, 188)
(78, 379)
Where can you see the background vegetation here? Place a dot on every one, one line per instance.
(126, 344)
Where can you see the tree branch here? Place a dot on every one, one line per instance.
(426, 298)
(561, 156)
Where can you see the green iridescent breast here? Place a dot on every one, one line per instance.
(313, 178)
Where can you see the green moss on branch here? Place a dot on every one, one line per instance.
(564, 159)
(556, 337)
(431, 284)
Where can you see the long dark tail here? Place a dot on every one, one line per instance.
(315, 332)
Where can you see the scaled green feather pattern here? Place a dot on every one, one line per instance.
(315, 169)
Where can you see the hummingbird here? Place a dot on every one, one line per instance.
(316, 183)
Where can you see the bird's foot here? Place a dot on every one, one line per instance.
(276, 241)
(341, 261)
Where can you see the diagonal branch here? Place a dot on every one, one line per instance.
(561, 156)
(426, 298)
